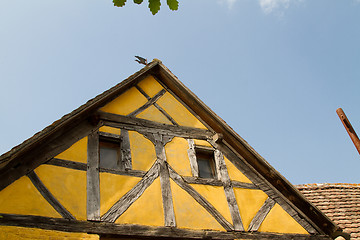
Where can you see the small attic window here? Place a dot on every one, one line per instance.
(110, 153)
(205, 162)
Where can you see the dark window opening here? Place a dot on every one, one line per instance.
(206, 163)
(110, 154)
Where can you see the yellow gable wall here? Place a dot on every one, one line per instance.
(68, 186)
(249, 202)
(142, 151)
(177, 156)
(126, 103)
(147, 210)
(15, 233)
(235, 173)
(112, 188)
(279, 221)
(153, 114)
(189, 213)
(150, 86)
(21, 197)
(178, 112)
(216, 196)
(77, 152)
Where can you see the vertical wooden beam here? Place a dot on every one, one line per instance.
(168, 205)
(223, 176)
(192, 157)
(93, 178)
(125, 151)
(261, 214)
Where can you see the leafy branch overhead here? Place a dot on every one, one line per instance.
(154, 5)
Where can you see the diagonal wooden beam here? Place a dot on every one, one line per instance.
(130, 197)
(49, 197)
(349, 129)
(148, 103)
(158, 106)
(261, 214)
(200, 199)
(229, 191)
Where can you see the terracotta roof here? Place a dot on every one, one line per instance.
(339, 201)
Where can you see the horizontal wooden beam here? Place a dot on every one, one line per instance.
(138, 231)
(137, 124)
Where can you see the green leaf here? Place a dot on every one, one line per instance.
(154, 6)
(138, 1)
(119, 3)
(173, 4)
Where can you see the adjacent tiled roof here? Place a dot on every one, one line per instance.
(339, 201)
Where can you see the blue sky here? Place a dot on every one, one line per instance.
(274, 70)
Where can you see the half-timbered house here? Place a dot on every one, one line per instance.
(148, 159)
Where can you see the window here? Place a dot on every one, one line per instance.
(205, 162)
(110, 153)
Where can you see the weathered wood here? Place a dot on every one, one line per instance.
(203, 181)
(261, 214)
(109, 135)
(132, 173)
(67, 164)
(223, 175)
(289, 193)
(139, 231)
(49, 197)
(215, 182)
(126, 162)
(200, 199)
(169, 214)
(192, 157)
(55, 142)
(158, 107)
(142, 92)
(238, 184)
(148, 103)
(134, 124)
(263, 185)
(131, 196)
(93, 178)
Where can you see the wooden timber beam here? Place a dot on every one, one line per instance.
(274, 179)
(137, 124)
(139, 231)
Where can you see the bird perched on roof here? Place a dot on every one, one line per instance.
(141, 60)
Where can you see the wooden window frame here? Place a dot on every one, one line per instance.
(206, 153)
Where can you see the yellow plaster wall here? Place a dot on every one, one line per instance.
(216, 196)
(177, 156)
(15, 233)
(249, 202)
(147, 210)
(142, 151)
(21, 197)
(68, 186)
(77, 152)
(279, 221)
(178, 112)
(110, 130)
(189, 213)
(150, 86)
(153, 114)
(126, 103)
(112, 188)
(202, 143)
(235, 173)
